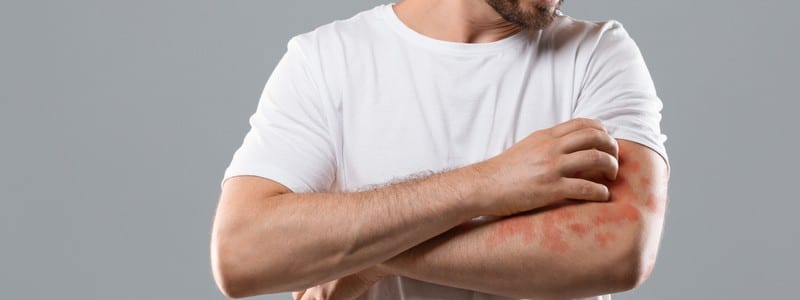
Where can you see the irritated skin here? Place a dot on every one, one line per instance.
(567, 250)
(266, 239)
(573, 249)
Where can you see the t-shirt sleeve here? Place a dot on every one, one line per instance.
(618, 91)
(289, 139)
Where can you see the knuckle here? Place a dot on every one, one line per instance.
(598, 135)
(552, 165)
(593, 156)
(584, 189)
(588, 122)
(597, 124)
(553, 148)
(605, 158)
(587, 190)
(583, 122)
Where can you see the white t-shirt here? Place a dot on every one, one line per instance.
(367, 100)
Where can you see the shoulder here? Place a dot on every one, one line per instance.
(565, 28)
(584, 43)
(340, 34)
(568, 34)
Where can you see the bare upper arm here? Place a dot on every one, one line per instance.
(642, 179)
(242, 196)
(252, 187)
(642, 183)
(241, 203)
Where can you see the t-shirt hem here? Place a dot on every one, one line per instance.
(635, 137)
(273, 173)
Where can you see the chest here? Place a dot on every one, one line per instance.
(408, 117)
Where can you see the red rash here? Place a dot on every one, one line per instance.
(631, 166)
(565, 213)
(652, 204)
(645, 182)
(579, 229)
(558, 220)
(616, 213)
(603, 238)
(621, 189)
(505, 229)
(551, 235)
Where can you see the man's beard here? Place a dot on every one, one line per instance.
(532, 16)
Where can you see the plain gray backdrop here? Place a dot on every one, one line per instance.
(117, 119)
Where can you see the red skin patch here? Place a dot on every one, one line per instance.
(552, 237)
(505, 229)
(565, 213)
(579, 229)
(604, 238)
(652, 204)
(645, 182)
(624, 163)
(621, 189)
(616, 213)
(556, 225)
(631, 166)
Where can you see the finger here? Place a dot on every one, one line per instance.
(313, 294)
(591, 175)
(588, 161)
(582, 189)
(589, 138)
(575, 124)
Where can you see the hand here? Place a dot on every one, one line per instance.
(549, 166)
(345, 288)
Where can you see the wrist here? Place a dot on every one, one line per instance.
(480, 181)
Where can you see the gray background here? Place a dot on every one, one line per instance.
(117, 119)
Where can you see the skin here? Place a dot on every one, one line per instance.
(574, 239)
(549, 194)
(254, 213)
(594, 247)
(474, 21)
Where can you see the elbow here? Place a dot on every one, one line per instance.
(229, 286)
(241, 270)
(227, 273)
(631, 274)
(238, 270)
(636, 262)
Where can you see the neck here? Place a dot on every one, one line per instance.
(464, 21)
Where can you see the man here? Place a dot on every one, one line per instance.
(450, 149)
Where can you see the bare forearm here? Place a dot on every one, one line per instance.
(567, 251)
(266, 243)
(293, 241)
(557, 253)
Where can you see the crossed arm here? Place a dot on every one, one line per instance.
(571, 250)
(564, 249)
